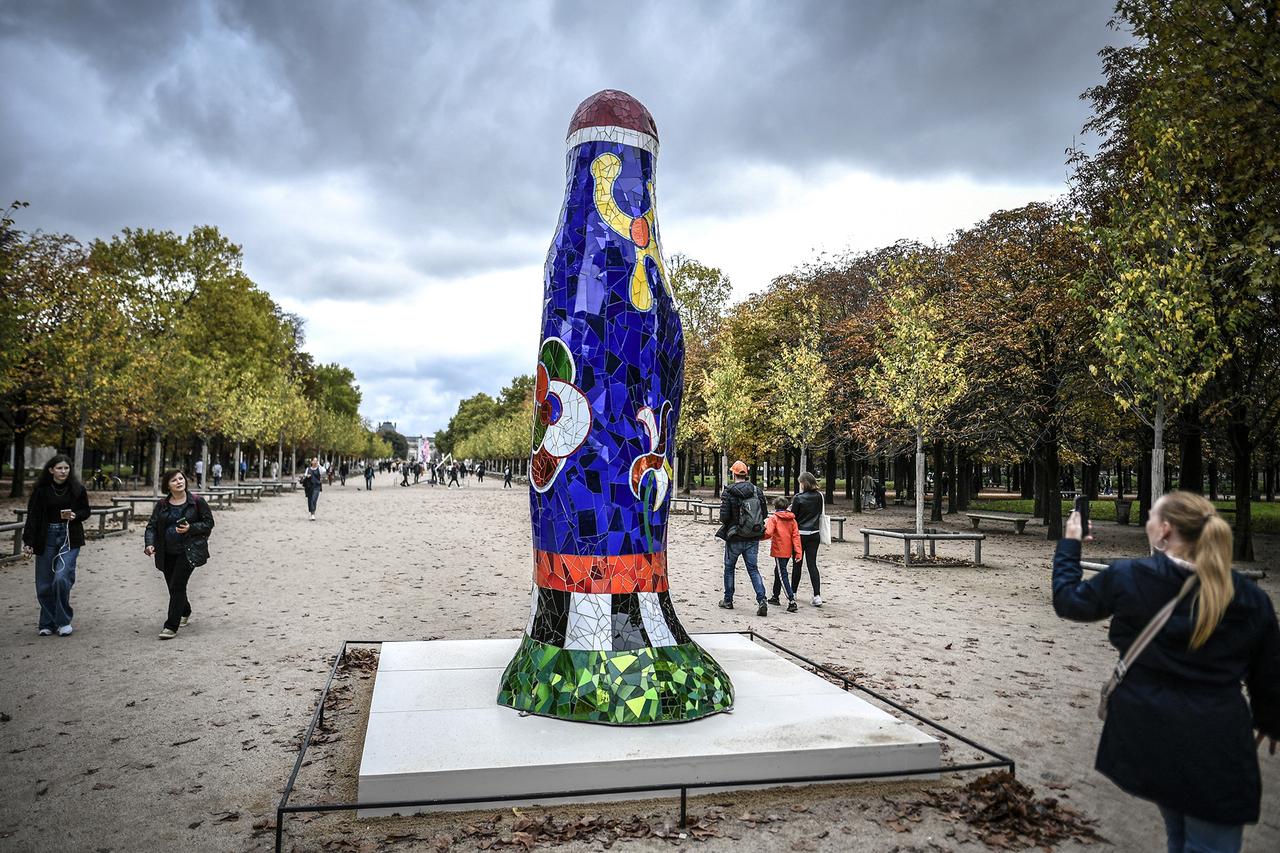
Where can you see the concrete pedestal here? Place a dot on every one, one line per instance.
(436, 731)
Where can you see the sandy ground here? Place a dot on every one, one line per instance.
(112, 740)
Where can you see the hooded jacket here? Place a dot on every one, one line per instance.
(783, 534)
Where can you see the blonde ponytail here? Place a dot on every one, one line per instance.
(1209, 538)
(1212, 557)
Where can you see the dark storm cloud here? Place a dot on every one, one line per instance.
(358, 148)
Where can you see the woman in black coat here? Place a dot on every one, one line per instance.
(53, 532)
(807, 506)
(177, 535)
(1178, 730)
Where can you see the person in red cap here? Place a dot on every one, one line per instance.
(742, 522)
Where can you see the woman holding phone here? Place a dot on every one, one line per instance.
(1179, 732)
(177, 536)
(53, 533)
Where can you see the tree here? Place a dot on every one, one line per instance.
(727, 390)
(801, 387)
(917, 375)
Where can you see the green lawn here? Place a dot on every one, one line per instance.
(1266, 516)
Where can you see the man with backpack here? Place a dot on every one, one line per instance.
(742, 521)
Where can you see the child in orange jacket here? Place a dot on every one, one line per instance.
(784, 545)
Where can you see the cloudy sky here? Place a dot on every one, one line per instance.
(394, 170)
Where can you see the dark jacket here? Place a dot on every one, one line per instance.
(807, 507)
(196, 541)
(730, 506)
(39, 517)
(1179, 732)
(312, 476)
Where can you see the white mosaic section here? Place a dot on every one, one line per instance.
(654, 625)
(590, 621)
(613, 133)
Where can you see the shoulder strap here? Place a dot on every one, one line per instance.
(1153, 627)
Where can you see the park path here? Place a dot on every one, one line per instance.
(113, 740)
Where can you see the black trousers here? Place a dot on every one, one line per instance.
(810, 544)
(177, 571)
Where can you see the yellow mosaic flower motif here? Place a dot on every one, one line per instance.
(640, 230)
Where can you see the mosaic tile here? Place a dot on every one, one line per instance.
(603, 642)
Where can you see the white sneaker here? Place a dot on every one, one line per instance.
(168, 634)
(65, 631)
(313, 516)
(817, 601)
(45, 632)
(182, 623)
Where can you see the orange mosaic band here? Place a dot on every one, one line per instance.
(621, 573)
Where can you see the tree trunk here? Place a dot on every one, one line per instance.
(1143, 486)
(920, 490)
(157, 451)
(1027, 486)
(1242, 451)
(1052, 493)
(19, 486)
(204, 458)
(939, 464)
(1213, 479)
(1192, 451)
(852, 481)
(1157, 454)
(722, 467)
(953, 478)
(804, 458)
(831, 472)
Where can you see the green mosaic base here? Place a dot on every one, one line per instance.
(664, 684)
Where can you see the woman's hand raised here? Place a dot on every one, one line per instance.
(1072, 529)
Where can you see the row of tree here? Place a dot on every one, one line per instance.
(155, 335)
(1089, 330)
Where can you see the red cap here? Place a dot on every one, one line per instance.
(612, 108)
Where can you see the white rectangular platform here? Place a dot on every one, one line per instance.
(436, 731)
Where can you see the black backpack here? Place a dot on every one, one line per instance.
(751, 516)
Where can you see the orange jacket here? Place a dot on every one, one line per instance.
(783, 534)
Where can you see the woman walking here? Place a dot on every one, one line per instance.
(54, 533)
(808, 506)
(1179, 731)
(312, 485)
(177, 536)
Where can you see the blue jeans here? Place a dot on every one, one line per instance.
(312, 500)
(1192, 835)
(746, 548)
(55, 575)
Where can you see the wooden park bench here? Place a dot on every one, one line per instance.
(1018, 521)
(932, 537)
(708, 513)
(14, 527)
(103, 513)
(248, 490)
(684, 506)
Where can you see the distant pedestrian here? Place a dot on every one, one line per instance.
(217, 473)
(200, 472)
(453, 476)
(343, 470)
(312, 485)
(244, 468)
(784, 546)
(404, 474)
(808, 506)
(275, 470)
(177, 536)
(742, 524)
(1178, 730)
(417, 472)
(368, 477)
(329, 471)
(506, 478)
(435, 479)
(53, 532)
(480, 473)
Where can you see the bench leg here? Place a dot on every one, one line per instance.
(102, 526)
(933, 548)
(906, 552)
(866, 545)
(975, 522)
(977, 552)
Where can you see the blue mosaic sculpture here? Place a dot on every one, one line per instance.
(603, 643)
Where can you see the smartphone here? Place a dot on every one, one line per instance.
(1082, 507)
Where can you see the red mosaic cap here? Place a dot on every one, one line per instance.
(610, 107)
